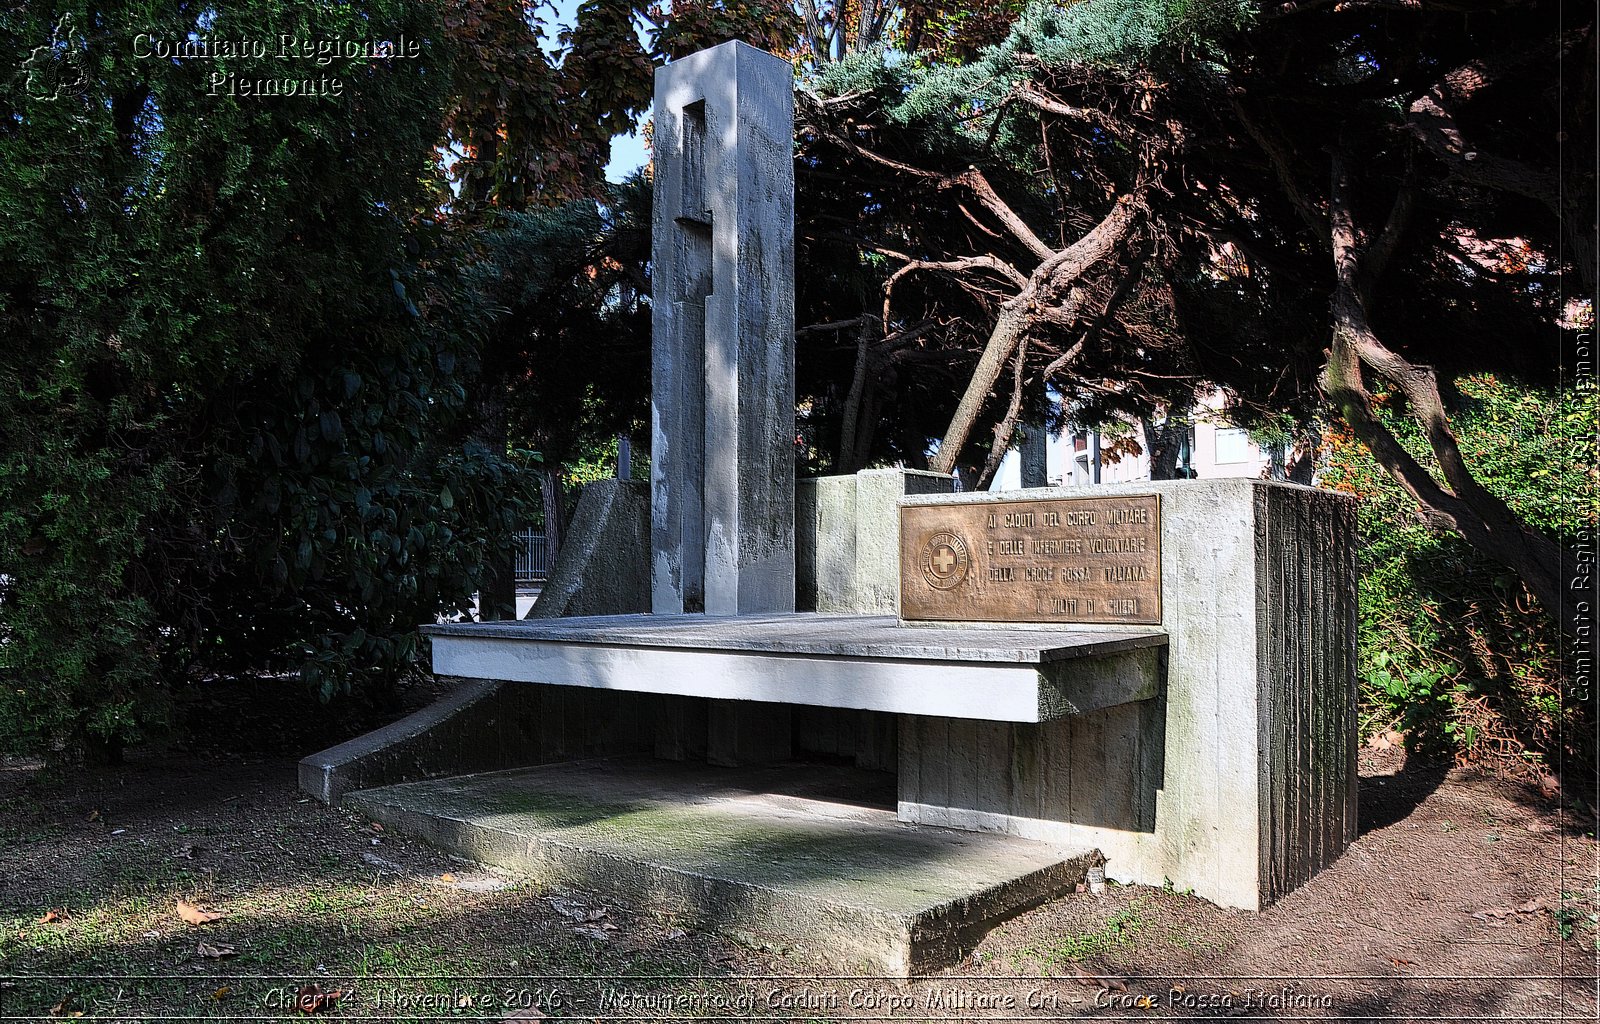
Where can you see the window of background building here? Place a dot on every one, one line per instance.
(1233, 445)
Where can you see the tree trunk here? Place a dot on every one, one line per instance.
(866, 426)
(1165, 444)
(1008, 329)
(555, 522)
(497, 585)
(1461, 503)
(1303, 470)
(1008, 423)
(849, 461)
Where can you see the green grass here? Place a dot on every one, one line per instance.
(1119, 930)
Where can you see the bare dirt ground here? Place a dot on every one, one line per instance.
(1466, 897)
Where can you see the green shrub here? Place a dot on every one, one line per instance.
(1454, 652)
(231, 436)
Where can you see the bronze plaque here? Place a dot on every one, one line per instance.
(1050, 560)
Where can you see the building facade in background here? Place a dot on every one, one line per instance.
(1081, 455)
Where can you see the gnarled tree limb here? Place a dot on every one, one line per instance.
(1048, 283)
(1461, 503)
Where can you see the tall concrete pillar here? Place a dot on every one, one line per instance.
(722, 393)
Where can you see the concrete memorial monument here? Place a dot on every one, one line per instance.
(981, 697)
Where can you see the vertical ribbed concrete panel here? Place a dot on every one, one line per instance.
(1306, 658)
(722, 396)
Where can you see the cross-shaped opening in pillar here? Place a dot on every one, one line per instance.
(694, 215)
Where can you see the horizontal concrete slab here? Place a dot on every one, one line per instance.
(789, 857)
(851, 636)
(868, 663)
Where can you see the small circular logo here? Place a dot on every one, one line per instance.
(945, 561)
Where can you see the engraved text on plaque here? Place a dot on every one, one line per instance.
(1050, 560)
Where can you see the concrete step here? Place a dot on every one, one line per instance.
(789, 857)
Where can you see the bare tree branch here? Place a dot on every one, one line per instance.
(983, 262)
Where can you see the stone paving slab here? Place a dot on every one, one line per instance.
(787, 857)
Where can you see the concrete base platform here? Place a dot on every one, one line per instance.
(791, 857)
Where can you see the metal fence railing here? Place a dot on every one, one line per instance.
(532, 557)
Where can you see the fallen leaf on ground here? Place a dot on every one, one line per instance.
(94, 815)
(1550, 786)
(589, 931)
(311, 999)
(186, 851)
(447, 877)
(53, 916)
(595, 915)
(675, 934)
(1389, 739)
(222, 993)
(382, 863)
(1399, 962)
(531, 1013)
(377, 826)
(1093, 980)
(192, 914)
(216, 951)
(60, 1009)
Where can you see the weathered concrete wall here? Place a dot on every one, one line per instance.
(600, 569)
(1248, 761)
(722, 372)
(847, 538)
(1044, 781)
